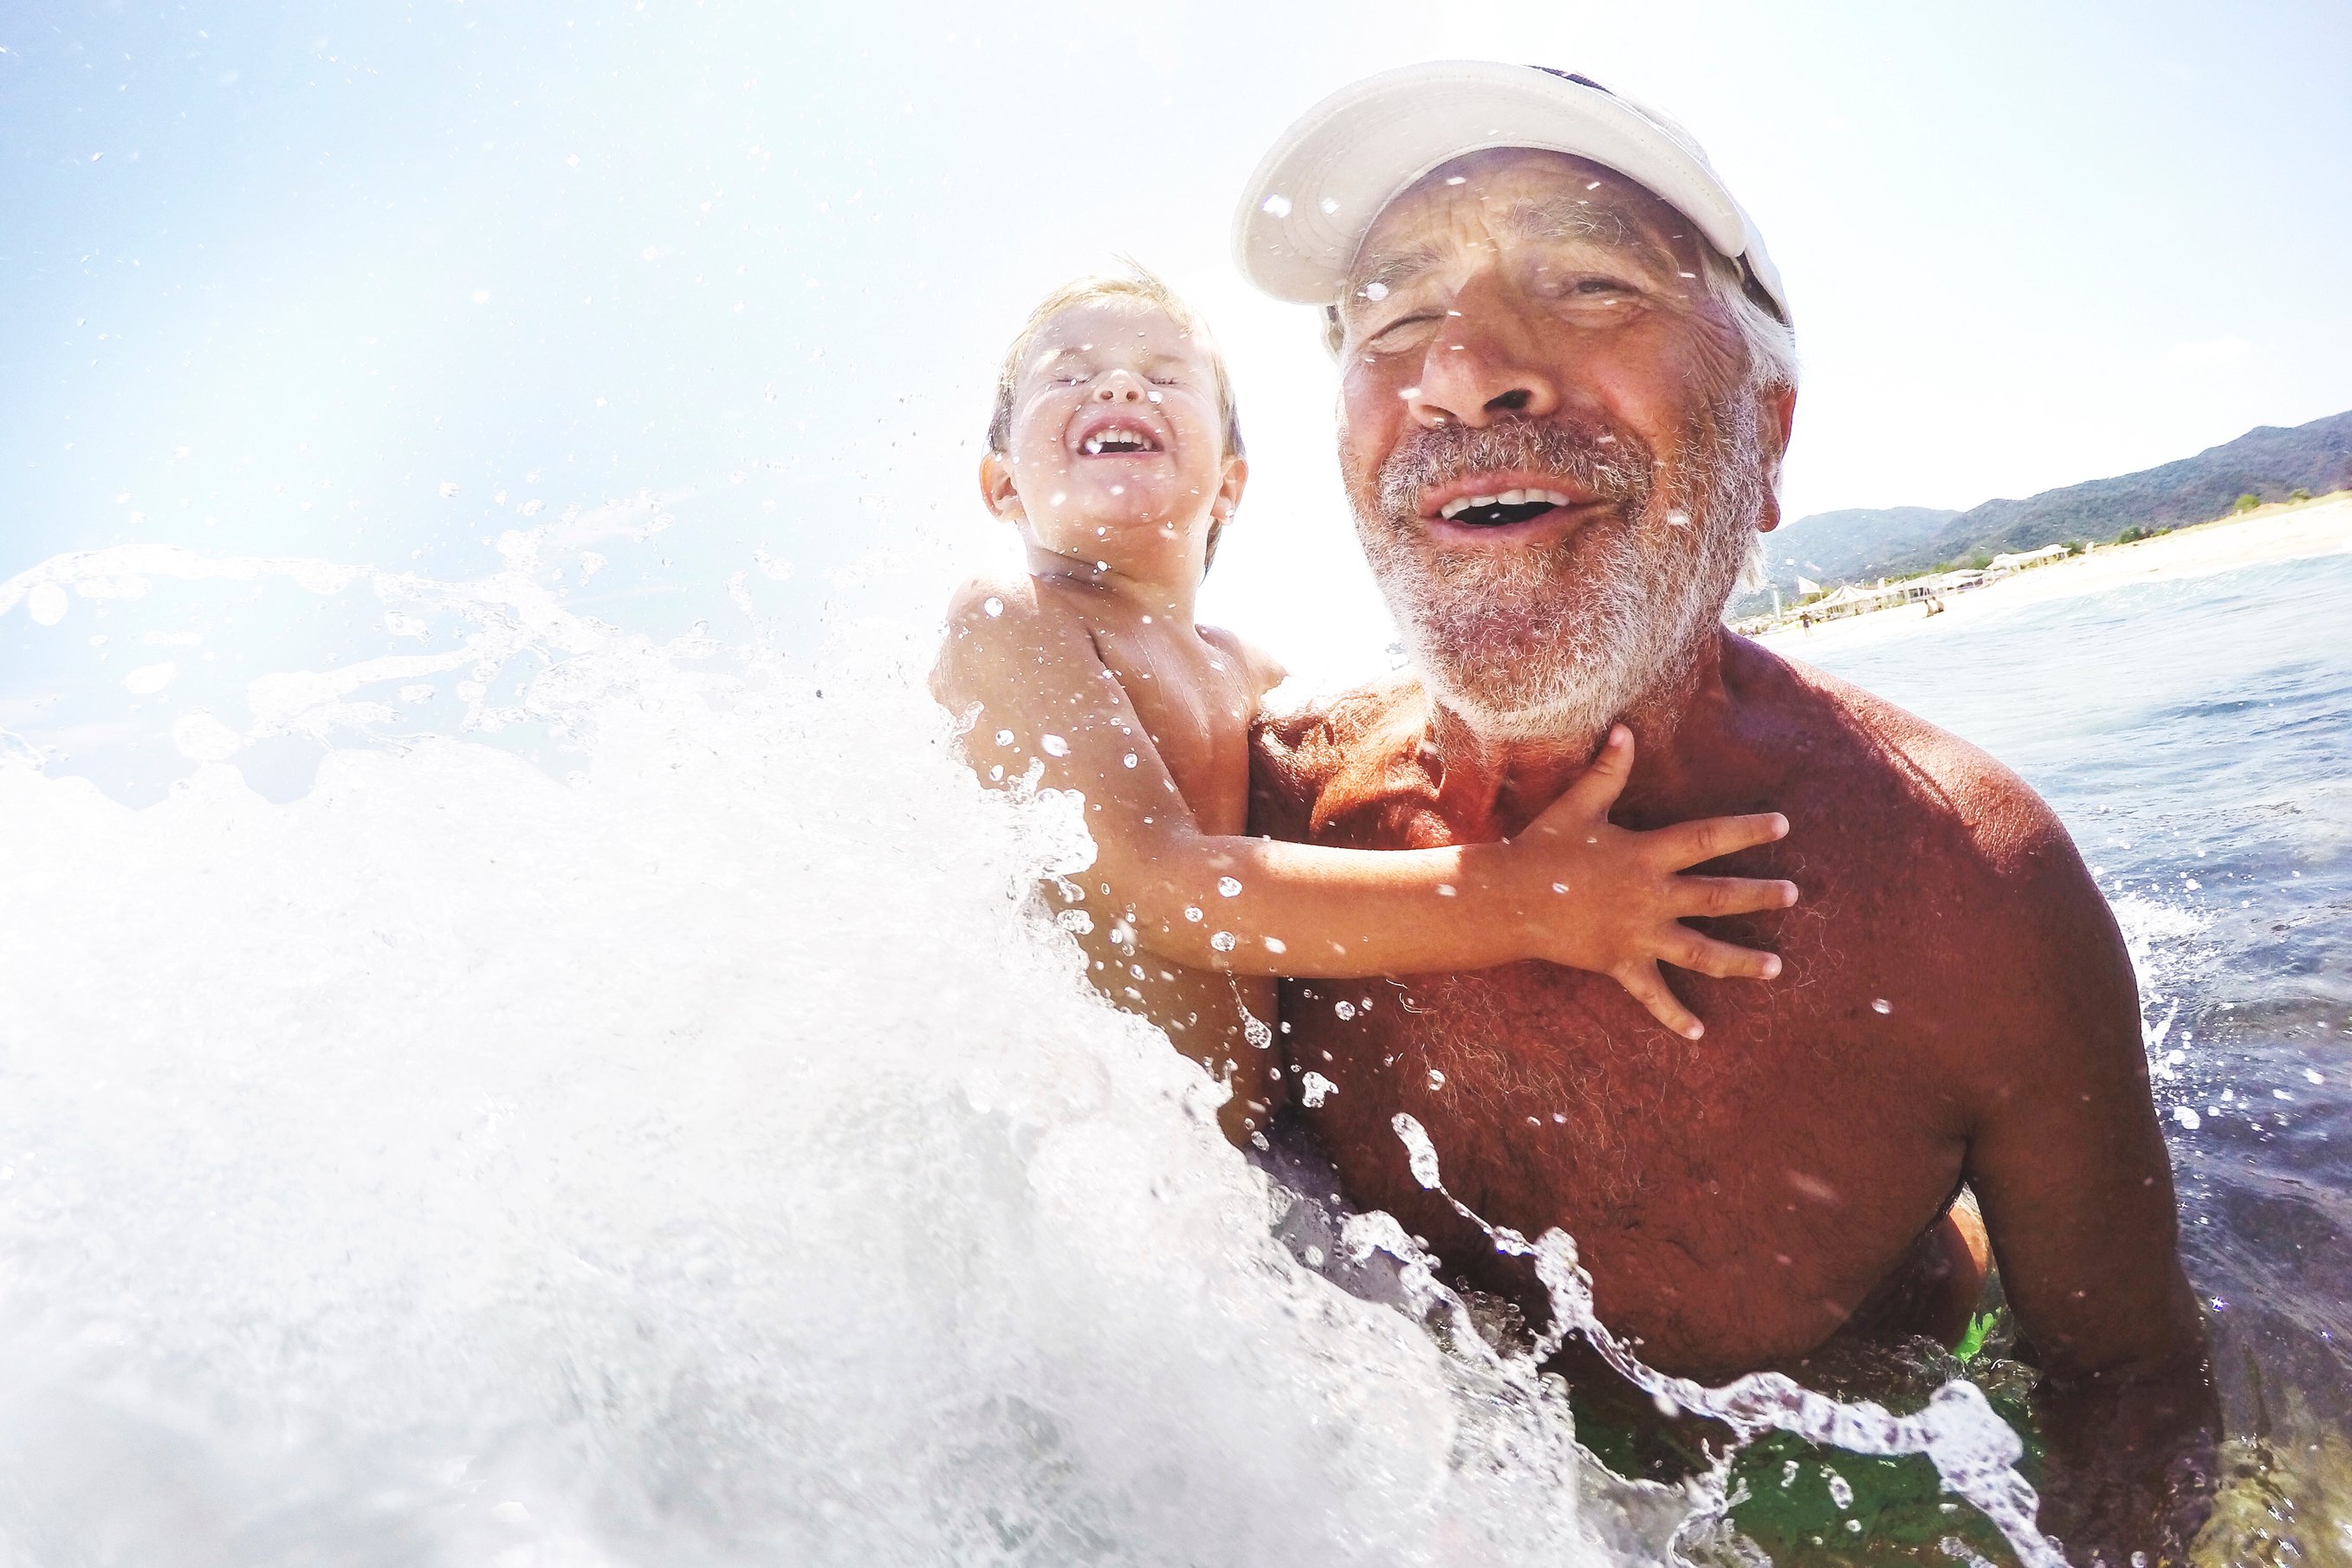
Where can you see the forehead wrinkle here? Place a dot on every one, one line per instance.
(1531, 219)
(1391, 268)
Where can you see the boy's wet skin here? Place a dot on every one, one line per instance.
(1956, 1006)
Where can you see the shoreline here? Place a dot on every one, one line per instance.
(2282, 531)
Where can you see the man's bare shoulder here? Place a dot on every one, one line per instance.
(1843, 733)
(1946, 861)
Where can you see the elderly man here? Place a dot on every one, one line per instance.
(1566, 384)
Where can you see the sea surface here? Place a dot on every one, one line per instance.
(480, 1084)
(2196, 736)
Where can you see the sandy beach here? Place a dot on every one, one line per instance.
(2287, 531)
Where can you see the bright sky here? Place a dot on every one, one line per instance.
(276, 276)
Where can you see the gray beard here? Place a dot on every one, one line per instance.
(1556, 643)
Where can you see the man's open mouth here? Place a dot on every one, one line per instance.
(1501, 510)
(1118, 441)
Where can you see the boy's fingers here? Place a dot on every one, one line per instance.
(1604, 781)
(1729, 895)
(1688, 843)
(1723, 960)
(1650, 990)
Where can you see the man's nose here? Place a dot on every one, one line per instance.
(1119, 386)
(1482, 366)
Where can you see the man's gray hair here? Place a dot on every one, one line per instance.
(1771, 345)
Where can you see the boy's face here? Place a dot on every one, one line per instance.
(1116, 450)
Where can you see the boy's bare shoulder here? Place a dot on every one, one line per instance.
(1001, 631)
(1265, 671)
(982, 603)
(1007, 611)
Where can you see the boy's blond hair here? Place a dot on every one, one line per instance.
(1139, 286)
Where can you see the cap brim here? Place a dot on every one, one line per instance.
(1308, 209)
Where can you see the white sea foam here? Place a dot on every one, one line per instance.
(701, 1161)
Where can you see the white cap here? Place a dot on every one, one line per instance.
(1314, 197)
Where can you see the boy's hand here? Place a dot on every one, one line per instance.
(1618, 901)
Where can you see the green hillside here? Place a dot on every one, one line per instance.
(2267, 462)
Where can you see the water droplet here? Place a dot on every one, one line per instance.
(1445, 890)
(1840, 1489)
(1191, 912)
(1054, 745)
(1275, 207)
(2186, 1117)
(1313, 1089)
(1229, 887)
(1436, 1079)
(1377, 291)
(1329, 206)
(1128, 759)
(1420, 1154)
(1880, 1004)
(994, 605)
(1276, 945)
(1345, 1009)
(1223, 940)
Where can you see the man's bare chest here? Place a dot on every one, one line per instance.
(1739, 1193)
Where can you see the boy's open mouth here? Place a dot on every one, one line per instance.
(1118, 439)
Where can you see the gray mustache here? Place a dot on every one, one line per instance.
(1617, 469)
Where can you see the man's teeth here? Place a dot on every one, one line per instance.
(1461, 504)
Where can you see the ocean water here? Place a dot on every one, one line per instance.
(480, 1084)
(2196, 735)
(606, 1103)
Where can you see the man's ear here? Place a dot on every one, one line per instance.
(1780, 411)
(996, 486)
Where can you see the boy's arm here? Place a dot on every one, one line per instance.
(1041, 698)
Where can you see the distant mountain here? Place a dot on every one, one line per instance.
(2267, 462)
(1834, 546)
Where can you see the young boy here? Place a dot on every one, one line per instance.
(1115, 451)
